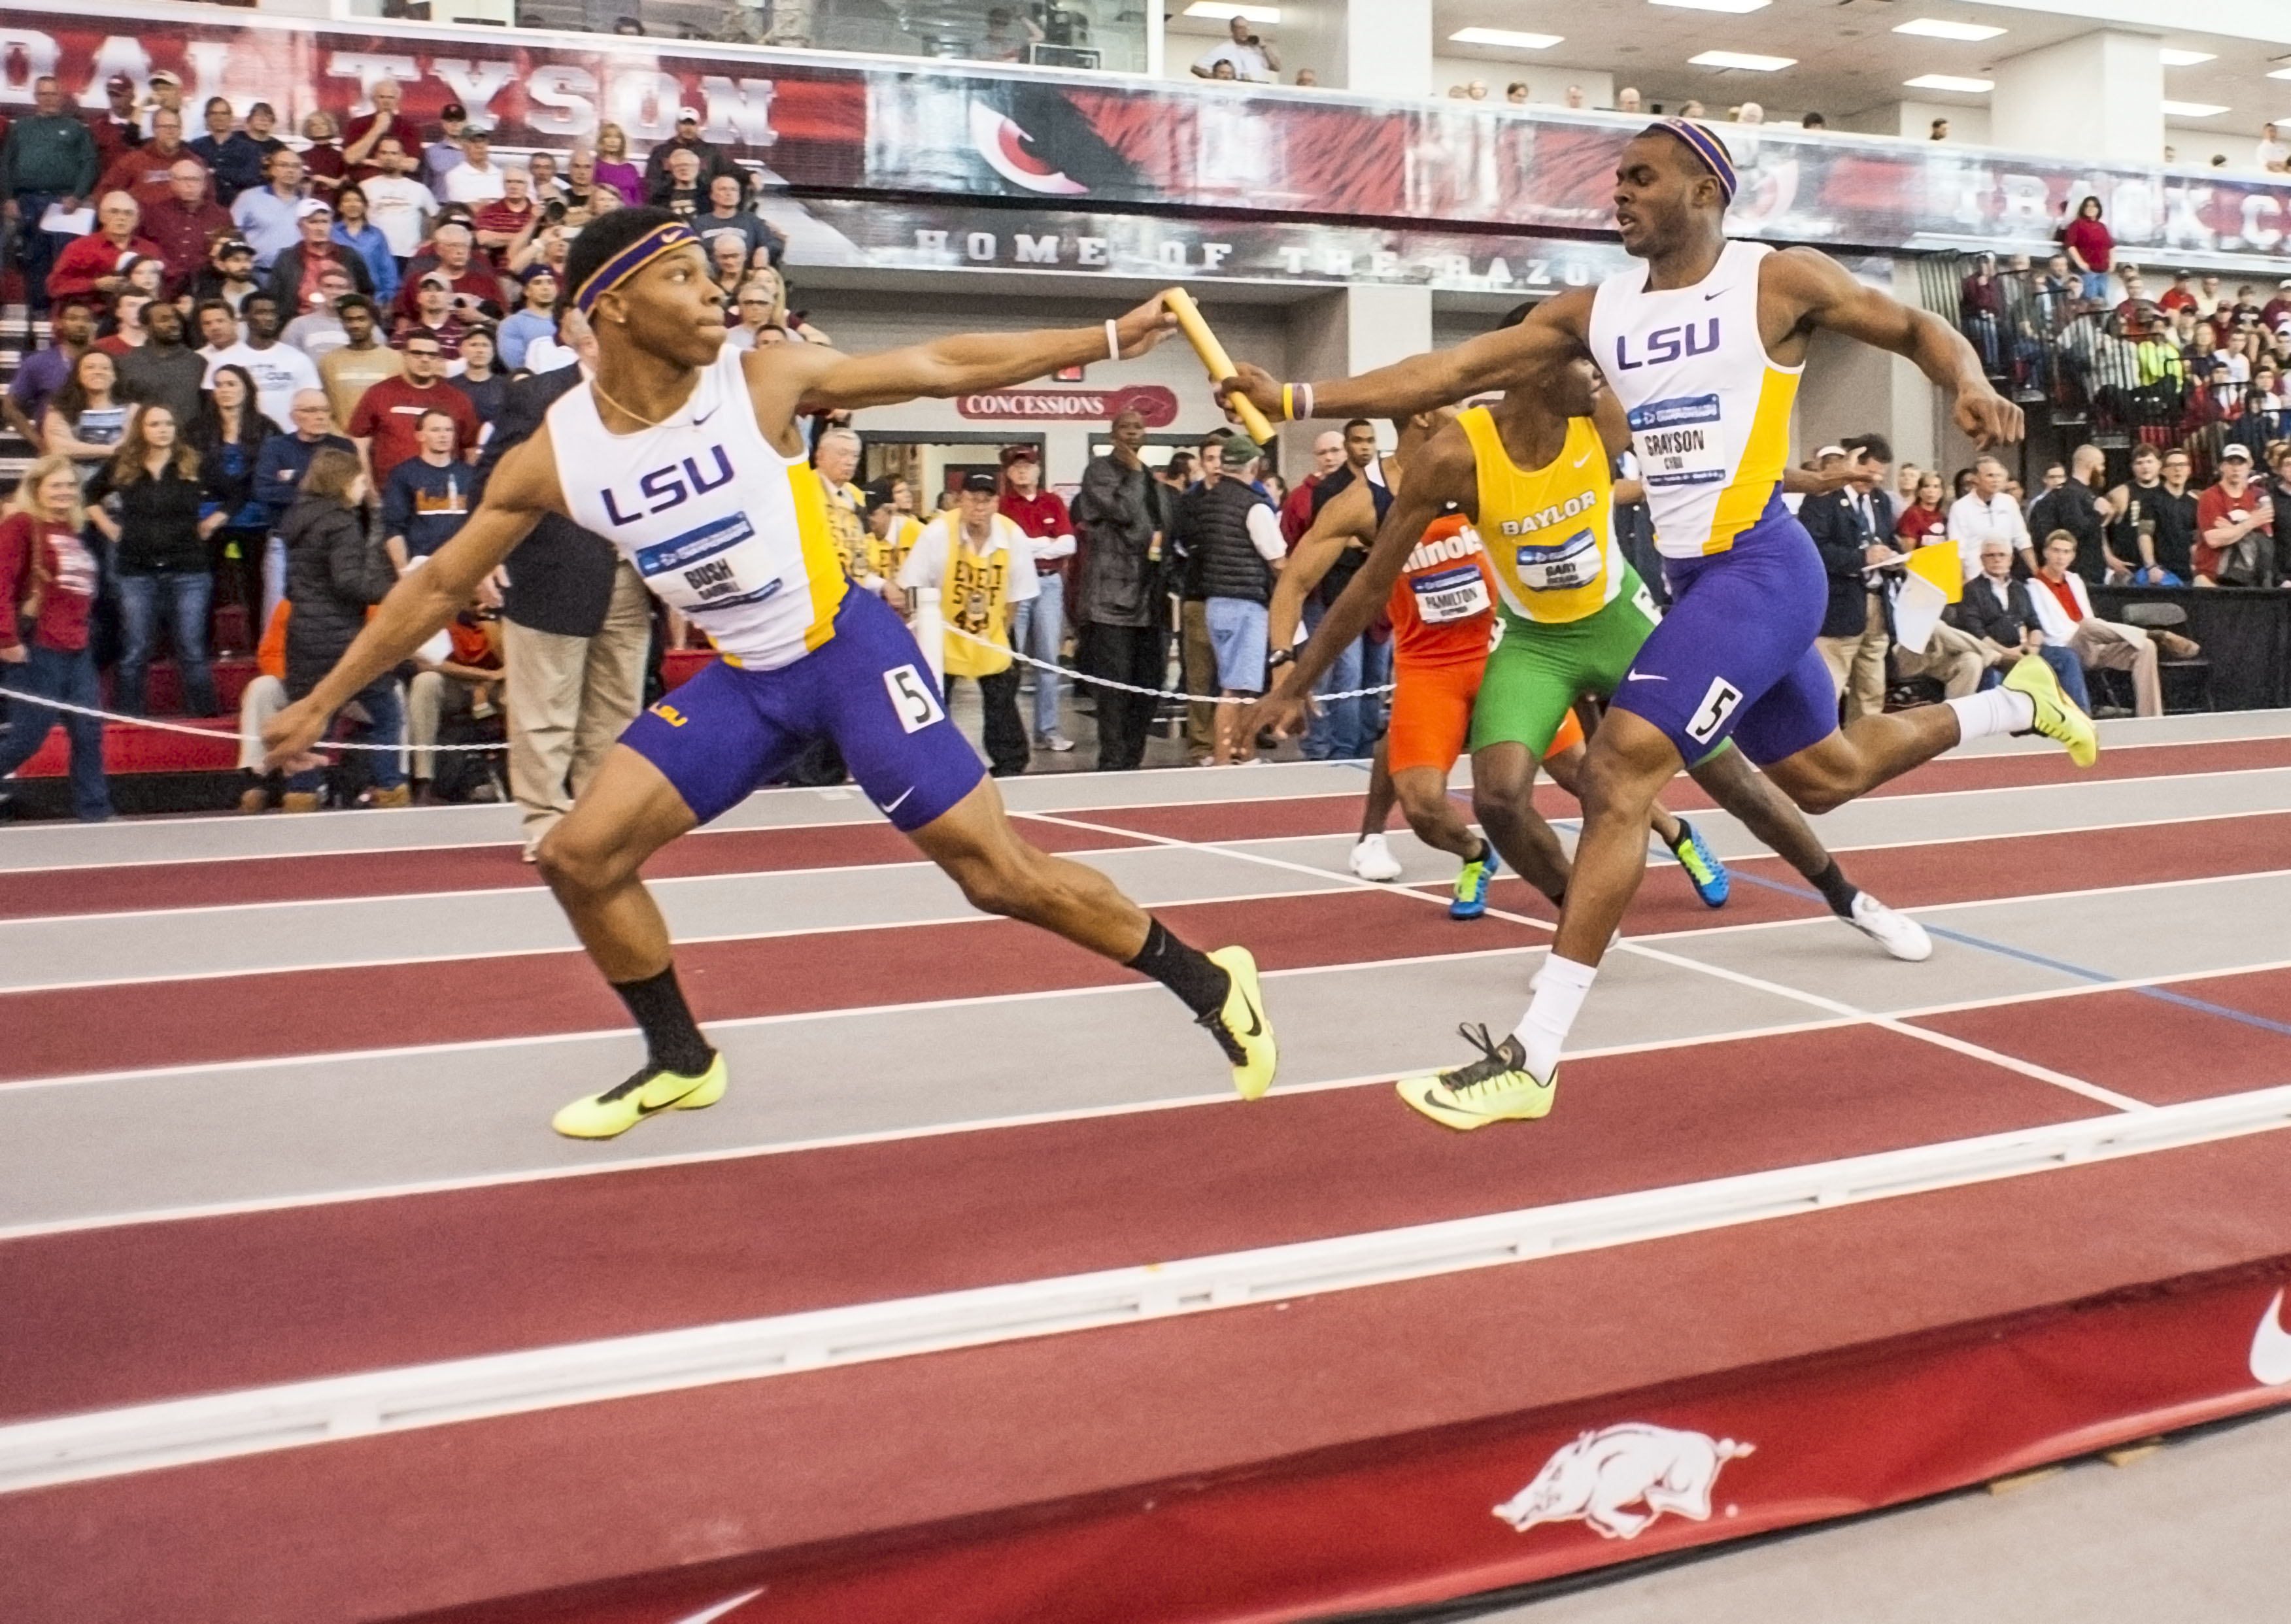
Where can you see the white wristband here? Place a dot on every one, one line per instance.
(1113, 340)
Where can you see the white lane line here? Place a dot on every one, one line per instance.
(2060, 1080)
(150, 1437)
(1077, 1113)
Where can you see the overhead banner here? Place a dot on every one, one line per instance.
(867, 126)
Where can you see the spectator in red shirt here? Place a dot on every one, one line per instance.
(2235, 527)
(1297, 510)
(118, 129)
(2091, 250)
(433, 316)
(96, 265)
(466, 278)
(323, 164)
(388, 421)
(503, 219)
(48, 579)
(184, 221)
(144, 172)
(362, 133)
(1039, 629)
(2179, 296)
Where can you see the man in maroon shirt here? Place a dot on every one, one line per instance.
(469, 279)
(1297, 512)
(388, 421)
(184, 221)
(361, 133)
(143, 172)
(93, 264)
(118, 129)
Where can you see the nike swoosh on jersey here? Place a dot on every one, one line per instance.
(1642, 676)
(1721, 293)
(2270, 1348)
(894, 805)
(1583, 459)
(698, 420)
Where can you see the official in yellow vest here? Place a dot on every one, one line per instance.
(981, 564)
(892, 536)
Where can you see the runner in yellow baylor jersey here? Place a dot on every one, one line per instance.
(684, 453)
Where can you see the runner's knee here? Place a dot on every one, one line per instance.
(1004, 880)
(575, 863)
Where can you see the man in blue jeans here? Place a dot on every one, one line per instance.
(1040, 629)
(1227, 524)
(1341, 730)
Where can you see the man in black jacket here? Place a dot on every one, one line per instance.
(1121, 600)
(577, 622)
(2074, 506)
(1853, 528)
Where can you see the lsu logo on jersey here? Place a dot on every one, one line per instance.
(672, 487)
(1667, 344)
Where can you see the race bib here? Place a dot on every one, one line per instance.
(1573, 563)
(721, 565)
(1450, 595)
(1678, 441)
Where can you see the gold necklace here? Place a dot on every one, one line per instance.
(598, 384)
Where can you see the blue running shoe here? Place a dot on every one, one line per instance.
(1472, 883)
(1701, 865)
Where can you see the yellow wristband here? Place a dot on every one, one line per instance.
(1288, 403)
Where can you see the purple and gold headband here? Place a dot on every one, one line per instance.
(661, 239)
(1705, 146)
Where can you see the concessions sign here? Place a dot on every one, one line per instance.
(868, 127)
(1154, 402)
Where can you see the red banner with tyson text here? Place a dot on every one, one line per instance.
(863, 127)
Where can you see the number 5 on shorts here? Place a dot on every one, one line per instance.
(1711, 714)
(913, 698)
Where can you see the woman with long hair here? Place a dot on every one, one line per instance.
(614, 166)
(48, 586)
(228, 434)
(354, 229)
(146, 501)
(2090, 249)
(335, 574)
(86, 419)
(1926, 521)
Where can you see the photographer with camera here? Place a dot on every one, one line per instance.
(1250, 57)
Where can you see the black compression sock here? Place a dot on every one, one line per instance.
(1186, 971)
(1837, 890)
(672, 1039)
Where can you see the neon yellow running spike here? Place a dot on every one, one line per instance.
(1495, 1088)
(647, 1093)
(1241, 1026)
(2057, 716)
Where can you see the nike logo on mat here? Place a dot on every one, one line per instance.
(2270, 1348)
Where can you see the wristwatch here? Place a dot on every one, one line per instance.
(1280, 657)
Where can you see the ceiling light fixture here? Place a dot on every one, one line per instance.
(1934, 27)
(2191, 109)
(1221, 10)
(1737, 7)
(2185, 59)
(1950, 81)
(1510, 38)
(1743, 59)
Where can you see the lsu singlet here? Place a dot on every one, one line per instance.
(722, 526)
(1550, 531)
(1708, 409)
(1442, 606)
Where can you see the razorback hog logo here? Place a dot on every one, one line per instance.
(1599, 1476)
(1003, 145)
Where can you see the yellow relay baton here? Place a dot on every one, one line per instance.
(1218, 363)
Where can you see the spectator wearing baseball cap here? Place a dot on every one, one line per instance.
(478, 179)
(983, 569)
(1040, 629)
(1230, 534)
(297, 274)
(443, 156)
(713, 160)
(118, 129)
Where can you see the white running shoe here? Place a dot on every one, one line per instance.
(1372, 859)
(1055, 741)
(1897, 933)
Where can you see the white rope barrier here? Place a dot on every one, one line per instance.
(1127, 687)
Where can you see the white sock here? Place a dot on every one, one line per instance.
(1559, 989)
(2000, 710)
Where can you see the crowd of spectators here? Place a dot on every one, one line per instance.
(270, 368)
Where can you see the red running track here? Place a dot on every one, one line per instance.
(72, 1032)
(51, 892)
(159, 1310)
(1262, 1448)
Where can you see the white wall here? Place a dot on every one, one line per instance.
(1913, 120)
(2096, 96)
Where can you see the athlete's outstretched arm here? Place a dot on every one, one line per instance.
(1511, 357)
(523, 487)
(970, 361)
(1350, 517)
(1831, 298)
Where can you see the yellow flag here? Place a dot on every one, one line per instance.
(1938, 563)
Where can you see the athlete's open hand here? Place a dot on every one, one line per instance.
(1286, 712)
(1987, 418)
(287, 737)
(1143, 327)
(1262, 388)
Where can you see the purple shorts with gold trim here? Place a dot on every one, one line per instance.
(729, 731)
(1734, 655)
